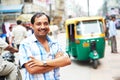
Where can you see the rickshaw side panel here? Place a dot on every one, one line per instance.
(81, 52)
(71, 49)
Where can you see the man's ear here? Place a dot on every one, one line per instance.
(32, 26)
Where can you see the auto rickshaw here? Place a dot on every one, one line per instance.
(85, 38)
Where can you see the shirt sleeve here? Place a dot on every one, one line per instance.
(24, 52)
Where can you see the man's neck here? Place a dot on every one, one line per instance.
(42, 40)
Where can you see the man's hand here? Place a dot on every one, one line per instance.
(34, 62)
(11, 49)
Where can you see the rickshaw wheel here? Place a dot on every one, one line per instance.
(95, 64)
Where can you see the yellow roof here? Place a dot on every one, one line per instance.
(73, 20)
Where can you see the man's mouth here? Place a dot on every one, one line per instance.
(42, 30)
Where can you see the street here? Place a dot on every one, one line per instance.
(59, 11)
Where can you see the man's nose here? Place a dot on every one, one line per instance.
(42, 26)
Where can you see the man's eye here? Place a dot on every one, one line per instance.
(39, 24)
(46, 23)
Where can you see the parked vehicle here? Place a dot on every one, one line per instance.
(11, 58)
(85, 38)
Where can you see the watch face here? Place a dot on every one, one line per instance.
(45, 63)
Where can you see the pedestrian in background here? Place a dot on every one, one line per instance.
(54, 29)
(19, 33)
(28, 28)
(9, 37)
(40, 56)
(107, 29)
(5, 29)
(112, 34)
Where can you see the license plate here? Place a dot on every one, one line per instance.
(85, 44)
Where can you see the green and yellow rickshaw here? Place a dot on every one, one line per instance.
(85, 38)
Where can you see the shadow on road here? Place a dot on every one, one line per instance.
(116, 78)
(86, 63)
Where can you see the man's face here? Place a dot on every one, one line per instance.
(41, 26)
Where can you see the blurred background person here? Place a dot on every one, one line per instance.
(28, 28)
(19, 33)
(9, 36)
(5, 29)
(54, 29)
(112, 34)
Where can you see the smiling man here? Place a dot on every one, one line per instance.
(41, 57)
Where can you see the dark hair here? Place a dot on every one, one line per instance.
(19, 22)
(39, 15)
(113, 16)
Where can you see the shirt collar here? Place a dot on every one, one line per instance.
(50, 41)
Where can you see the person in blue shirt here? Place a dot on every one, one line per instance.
(41, 57)
(112, 34)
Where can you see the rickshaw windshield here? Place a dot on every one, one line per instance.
(89, 27)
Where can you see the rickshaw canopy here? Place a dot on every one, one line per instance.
(73, 20)
(87, 25)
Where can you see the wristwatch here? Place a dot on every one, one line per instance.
(44, 63)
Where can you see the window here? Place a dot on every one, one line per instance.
(89, 27)
(78, 27)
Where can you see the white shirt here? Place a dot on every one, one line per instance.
(29, 33)
(19, 33)
(112, 29)
(7, 25)
(9, 35)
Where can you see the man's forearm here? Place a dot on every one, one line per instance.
(38, 69)
(44, 69)
(59, 62)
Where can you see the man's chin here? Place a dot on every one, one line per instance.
(43, 35)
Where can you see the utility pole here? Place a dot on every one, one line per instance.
(50, 12)
(88, 7)
(49, 2)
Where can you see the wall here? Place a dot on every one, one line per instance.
(10, 2)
